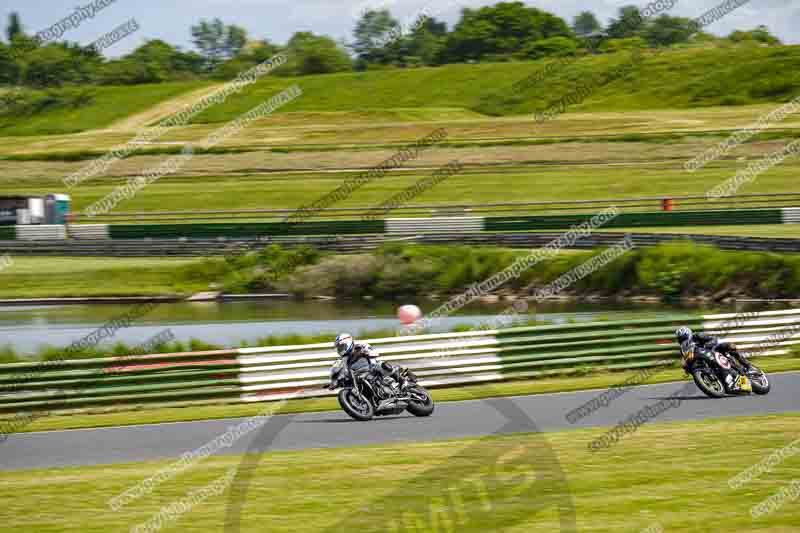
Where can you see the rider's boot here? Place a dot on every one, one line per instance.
(401, 381)
(739, 384)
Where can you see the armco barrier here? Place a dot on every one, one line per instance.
(88, 232)
(462, 225)
(88, 246)
(234, 230)
(634, 220)
(440, 360)
(448, 225)
(50, 232)
(410, 226)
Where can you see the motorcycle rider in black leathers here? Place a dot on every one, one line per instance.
(686, 335)
(361, 356)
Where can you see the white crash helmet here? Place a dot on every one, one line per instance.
(684, 334)
(344, 344)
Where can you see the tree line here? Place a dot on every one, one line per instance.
(507, 31)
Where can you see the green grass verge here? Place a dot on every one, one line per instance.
(775, 231)
(651, 477)
(42, 277)
(157, 415)
(119, 349)
(265, 272)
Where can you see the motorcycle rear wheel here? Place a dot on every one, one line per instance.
(420, 408)
(359, 409)
(710, 384)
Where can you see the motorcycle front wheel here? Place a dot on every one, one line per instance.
(709, 383)
(422, 402)
(360, 409)
(760, 382)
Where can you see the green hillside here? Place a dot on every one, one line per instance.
(670, 79)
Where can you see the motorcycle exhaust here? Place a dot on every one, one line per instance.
(392, 406)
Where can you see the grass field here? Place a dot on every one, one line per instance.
(507, 482)
(595, 155)
(242, 189)
(92, 418)
(365, 129)
(39, 277)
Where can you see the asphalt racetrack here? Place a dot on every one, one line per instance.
(335, 429)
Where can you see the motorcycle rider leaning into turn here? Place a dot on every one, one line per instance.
(686, 335)
(362, 357)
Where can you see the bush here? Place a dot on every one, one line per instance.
(230, 69)
(664, 269)
(56, 65)
(8, 355)
(249, 272)
(775, 87)
(343, 276)
(734, 100)
(552, 47)
(497, 58)
(402, 271)
(314, 54)
(621, 45)
(23, 103)
(130, 72)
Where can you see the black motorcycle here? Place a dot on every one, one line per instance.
(719, 375)
(366, 394)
